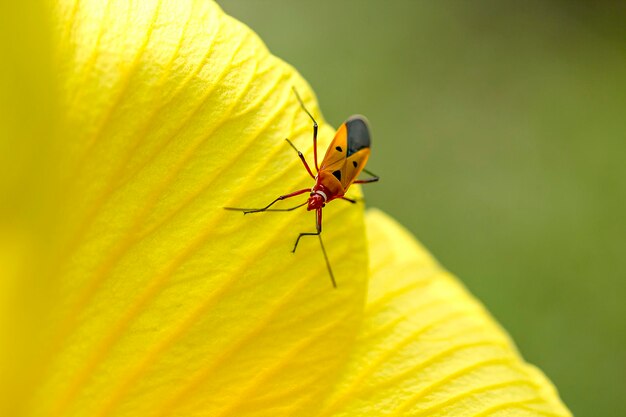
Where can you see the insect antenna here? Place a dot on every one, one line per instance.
(302, 105)
(317, 168)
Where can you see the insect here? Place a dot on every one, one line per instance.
(345, 158)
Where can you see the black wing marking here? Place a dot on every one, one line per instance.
(358, 134)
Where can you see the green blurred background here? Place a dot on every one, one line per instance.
(500, 136)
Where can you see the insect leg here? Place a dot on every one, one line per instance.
(267, 208)
(368, 180)
(314, 128)
(301, 158)
(330, 271)
(318, 226)
(348, 200)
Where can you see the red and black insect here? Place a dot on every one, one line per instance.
(345, 158)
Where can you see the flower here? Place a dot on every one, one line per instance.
(131, 292)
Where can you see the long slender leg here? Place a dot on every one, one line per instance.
(266, 208)
(350, 200)
(318, 233)
(330, 271)
(368, 180)
(269, 209)
(318, 226)
(301, 158)
(314, 129)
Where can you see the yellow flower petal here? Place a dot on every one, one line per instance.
(159, 302)
(27, 132)
(427, 348)
(165, 303)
